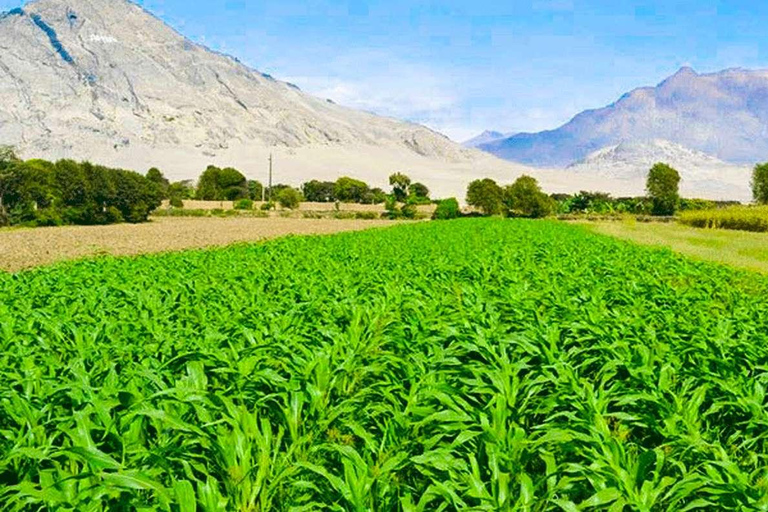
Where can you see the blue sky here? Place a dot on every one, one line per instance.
(461, 66)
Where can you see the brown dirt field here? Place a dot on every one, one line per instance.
(303, 207)
(26, 248)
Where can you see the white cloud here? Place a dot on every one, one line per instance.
(452, 101)
(387, 85)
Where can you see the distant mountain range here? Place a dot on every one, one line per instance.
(721, 114)
(106, 81)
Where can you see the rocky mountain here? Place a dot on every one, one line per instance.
(486, 137)
(701, 174)
(107, 81)
(723, 114)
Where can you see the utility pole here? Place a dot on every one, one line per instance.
(270, 177)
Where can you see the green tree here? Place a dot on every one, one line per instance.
(316, 191)
(180, 191)
(760, 183)
(400, 186)
(9, 177)
(226, 184)
(418, 193)
(524, 198)
(349, 190)
(136, 197)
(486, 195)
(156, 176)
(289, 198)
(255, 190)
(378, 196)
(663, 187)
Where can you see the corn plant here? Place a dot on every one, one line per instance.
(478, 364)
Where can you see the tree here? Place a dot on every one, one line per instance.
(591, 202)
(222, 184)
(136, 197)
(319, 191)
(378, 196)
(233, 184)
(447, 209)
(179, 191)
(349, 190)
(663, 187)
(486, 195)
(9, 176)
(156, 176)
(760, 183)
(400, 186)
(255, 190)
(289, 198)
(524, 198)
(418, 193)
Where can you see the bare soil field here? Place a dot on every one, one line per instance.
(26, 248)
(190, 204)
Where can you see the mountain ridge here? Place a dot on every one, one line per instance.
(723, 113)
(77, 34)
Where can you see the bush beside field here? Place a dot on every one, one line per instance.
(744, 218)
(476, 364)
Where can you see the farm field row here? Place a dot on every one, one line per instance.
(478, 364)
(740, 249)
(26, 248)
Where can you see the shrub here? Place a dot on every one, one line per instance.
(267, 206)
(392, 208)
(366, 215)
(243, 204)
(176, 202)
(289, 198)
(409, 211)
(447, 209)
(113, 216)
(48, 217)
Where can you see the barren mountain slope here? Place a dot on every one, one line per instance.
(701, 174)
(723, 114)
(108, 77)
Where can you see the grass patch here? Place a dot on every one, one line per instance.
(739, 249)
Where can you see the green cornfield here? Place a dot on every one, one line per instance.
(478, 364)
(743, 218)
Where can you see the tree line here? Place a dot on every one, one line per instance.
(525, 198)
(42, 193)
(229, 184)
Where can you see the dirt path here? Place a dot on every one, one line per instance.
(26, 248)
